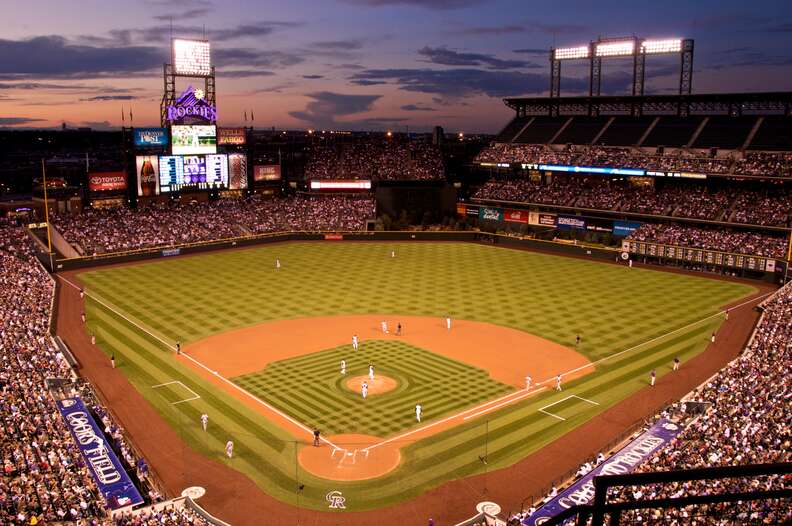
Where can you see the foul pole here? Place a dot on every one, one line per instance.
(46, 215)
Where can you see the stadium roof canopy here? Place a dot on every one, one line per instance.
(735, 104)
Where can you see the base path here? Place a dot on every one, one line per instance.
(507, 354)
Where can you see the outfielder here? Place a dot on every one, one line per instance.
(354, 342)
(364, 390)
(418, 411)
(343, 366)
(371, 372)
(204, 421)
(277, 263)
(229, 449)
(393, 253)
(558, 382)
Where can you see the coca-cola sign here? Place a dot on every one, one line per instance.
(107, 181)
(147, 170)
(191, 103)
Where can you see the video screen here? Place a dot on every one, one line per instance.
(194, 171)
(189, 140)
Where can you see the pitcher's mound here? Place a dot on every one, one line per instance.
(380, 384)
(351, 459)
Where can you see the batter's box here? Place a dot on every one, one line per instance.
(176, 392)
(568, 406)
(349, 457)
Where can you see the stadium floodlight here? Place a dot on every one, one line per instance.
(615, 49)
(192, 57)
(567, 53)
(673, 45)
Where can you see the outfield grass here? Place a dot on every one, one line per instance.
(613, 308)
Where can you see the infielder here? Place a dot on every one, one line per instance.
(384, 326)
(528, 381)
(448, 322)
(558, 382)
(371, 372)
(230, 449)
(354, 342)
(418, 411)
(343, 366)
(364, 390)
(204, 421)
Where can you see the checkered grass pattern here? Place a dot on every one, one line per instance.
(311, 388)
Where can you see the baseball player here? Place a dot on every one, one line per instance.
(371, 372)
(393, 253)
(82, 293)
(712, 338)
(178, 347)
(82, 317)
(343, 366)
(229, 449)
(204, 421)
(418, 411)
(652, 377)
(384, 326)
(277, 263)
(727, 313)
(398, 329)
(528, 381)
(448, 322)
(93, 339)
(112, 360)
(577, 341)
(364, 390)
(316, 434)
(354, 342)
(676, 363)
(558, 382)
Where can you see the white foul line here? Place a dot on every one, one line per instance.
(195, 395)
(487, 410)
(199, 364)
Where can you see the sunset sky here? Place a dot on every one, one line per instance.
(362, 64)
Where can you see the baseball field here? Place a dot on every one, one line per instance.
(261, 352)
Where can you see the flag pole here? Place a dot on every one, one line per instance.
(46, 215)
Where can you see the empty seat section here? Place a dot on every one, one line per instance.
(582, 130)
(723, 131)
(625, 131)
(541, 130)
(775, 133)
(673, 131)
(511, 129)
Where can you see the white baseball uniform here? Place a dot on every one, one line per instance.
(364, 390)
(393, 253)
(277, 263)
(229, 449)
(418, 410)
(448, 323)
(343, 366)
(355, 342)
(384, 325)
(558, 382)
(204, 421)
(528, 381)
(371, 372)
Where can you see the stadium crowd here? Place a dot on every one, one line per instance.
(385, 160)
(45, 479)
(768, 207)
(721, 239)
(671, 160)
(747, 423)
(99, 231)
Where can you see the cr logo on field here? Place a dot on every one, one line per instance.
(336, 500)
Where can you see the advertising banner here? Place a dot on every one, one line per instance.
(340, 185)
(107, 181)
(237, 171)
(536, 218)
(101, 461)
(472, 210)
(231, 136)
(594, 224)
(490, 214)
(633, 454)
(571, 222)
(151, 137)
(625, 228)
(147, 170)
(266, 172)
(516, 216)
(334, 237)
